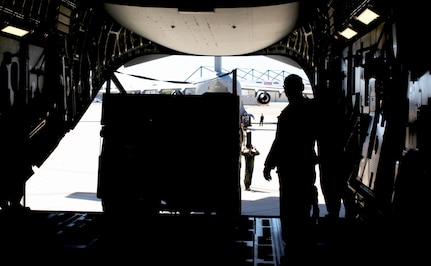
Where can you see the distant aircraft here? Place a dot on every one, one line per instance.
(221, 82)
(250, 92)
(254, 90)
(262, 90)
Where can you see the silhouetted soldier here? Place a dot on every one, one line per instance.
(293, 153)
(338, 155)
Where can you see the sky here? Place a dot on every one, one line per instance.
(180, 68)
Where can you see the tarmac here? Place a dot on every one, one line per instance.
(67, 180)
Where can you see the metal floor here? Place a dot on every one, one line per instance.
(84, 238)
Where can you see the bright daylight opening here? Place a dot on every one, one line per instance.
(67, 180)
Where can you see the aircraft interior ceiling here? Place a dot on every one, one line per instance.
(375, 85)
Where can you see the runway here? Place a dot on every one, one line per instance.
(67, 180)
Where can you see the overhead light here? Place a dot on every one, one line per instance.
(348, 33)
(367, 16)
(14, 31)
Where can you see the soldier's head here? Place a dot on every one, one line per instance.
(293, 86)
